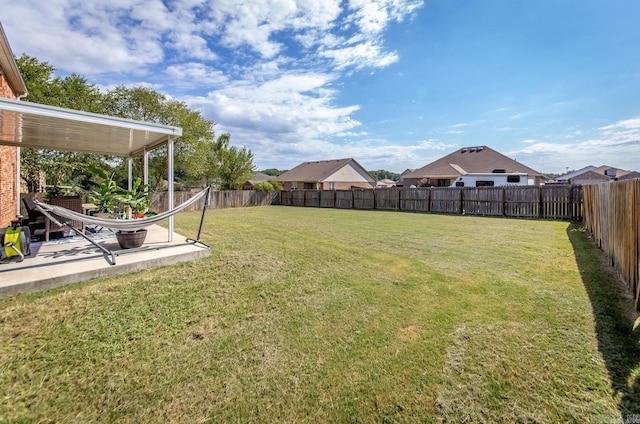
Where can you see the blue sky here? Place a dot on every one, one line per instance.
(395, 84)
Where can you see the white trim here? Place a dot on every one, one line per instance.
(90, 118)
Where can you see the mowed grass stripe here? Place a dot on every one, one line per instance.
(326, 315)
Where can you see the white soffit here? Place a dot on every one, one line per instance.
(26, 124)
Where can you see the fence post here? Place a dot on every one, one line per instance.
(540, 202)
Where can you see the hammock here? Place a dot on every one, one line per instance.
(62, 216)
(54, 213)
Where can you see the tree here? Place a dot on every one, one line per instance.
(198, 157)
(382, 174)
(270, 185)
(273, 172)
(190, 159)
(73, 91)
(230, 166)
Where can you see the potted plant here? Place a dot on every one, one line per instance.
(136, 200)
(104, 198)
(104, 195)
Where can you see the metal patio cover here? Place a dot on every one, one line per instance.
(26, 124)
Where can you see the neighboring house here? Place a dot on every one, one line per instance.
(258, 178)
(593, 175)
(567, 177)
(467, 160)
(405, 172)
(385, 183)
(336, 174)
(633, 175)
(11, 86)
(589, 177)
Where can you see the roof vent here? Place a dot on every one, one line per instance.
(464, 150)
(473, 149)
(499, 171)
(479, 149)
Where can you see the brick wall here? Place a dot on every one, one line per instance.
(8, 165)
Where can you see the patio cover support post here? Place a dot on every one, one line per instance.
(129, 172)
(170, 178)
(18, 180)
(145, 167)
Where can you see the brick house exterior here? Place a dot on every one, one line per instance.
(478, 159)
(12, 87)
(335, 174)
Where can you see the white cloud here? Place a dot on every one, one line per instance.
(264, 71)
(629, 124)
(361, 55)
(194, 75)
(616, 145)
(288, 108)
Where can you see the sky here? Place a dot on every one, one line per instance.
(395, 84)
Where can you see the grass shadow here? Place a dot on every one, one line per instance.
(614, 315)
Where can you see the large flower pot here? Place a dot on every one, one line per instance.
(131, 239)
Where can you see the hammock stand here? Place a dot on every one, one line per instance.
(62, 216)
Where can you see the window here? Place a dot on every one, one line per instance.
(332, 186)
(459, 183)
(484, 183)
(294, 186)
(513, 178)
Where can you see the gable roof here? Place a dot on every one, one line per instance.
(470, 160)
(318, 171)
(591, 176)
(259, 177)
(603, 170)
(262, 177)
(630, 176)
(606, 169)
(573, 174)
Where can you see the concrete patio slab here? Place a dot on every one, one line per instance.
(65, 262)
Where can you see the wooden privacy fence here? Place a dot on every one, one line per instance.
(217, 199)
(547, 202)
(612, 216)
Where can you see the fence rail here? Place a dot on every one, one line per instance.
(612, 216)
(218, 199)
(547, 202)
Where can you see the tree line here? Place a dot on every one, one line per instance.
(200, 158)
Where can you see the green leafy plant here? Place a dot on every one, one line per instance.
(104, 197)
(270, 185)
(54, 191)
(137, 199)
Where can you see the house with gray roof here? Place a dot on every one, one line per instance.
(595, 175)
(467, 160)
(258, 178)
(334, 174)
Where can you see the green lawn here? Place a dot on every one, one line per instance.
(326, 315)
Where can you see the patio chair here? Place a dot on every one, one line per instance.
(36, 220)
(72, 203)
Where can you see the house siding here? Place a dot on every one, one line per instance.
(8, 167)
(342, 185)
(336, 174)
